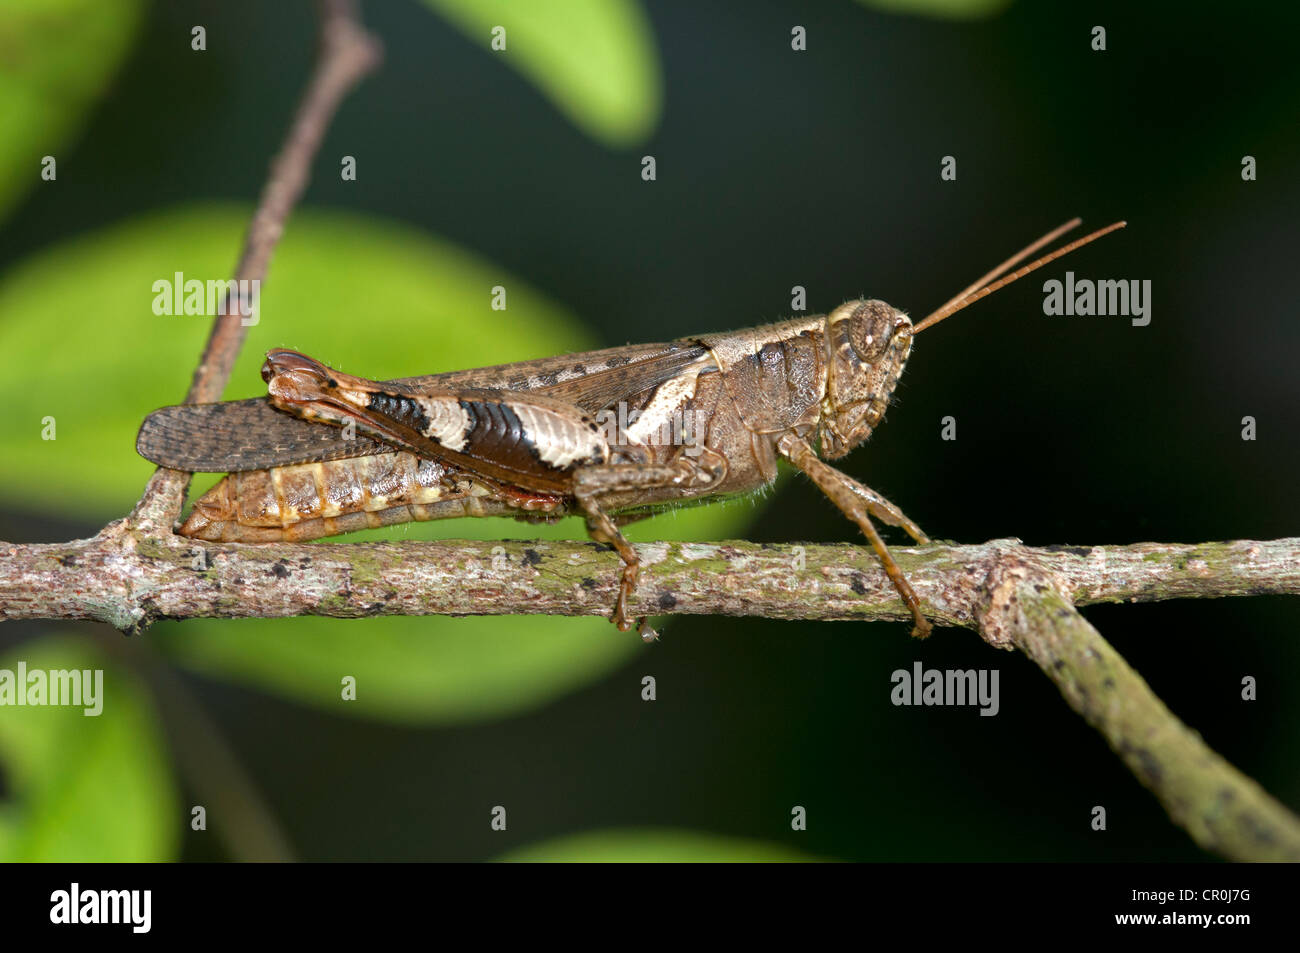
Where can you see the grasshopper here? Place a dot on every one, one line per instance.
(601, 435)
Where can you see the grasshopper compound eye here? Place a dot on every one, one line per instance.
(863, 331)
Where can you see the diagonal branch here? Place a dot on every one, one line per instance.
(1223, 810)
(346, 54)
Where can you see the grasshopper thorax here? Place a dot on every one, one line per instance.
(867, 344)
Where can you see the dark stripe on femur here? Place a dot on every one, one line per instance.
(496, 433)
(402, 409)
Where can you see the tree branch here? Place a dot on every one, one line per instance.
(346, 54)
(1223, 810)
(129, 578)
(1015, 596)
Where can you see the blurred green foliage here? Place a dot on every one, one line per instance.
(594, 59)
(950, 9)
(56, 57)
(85, 788)
(649, 846)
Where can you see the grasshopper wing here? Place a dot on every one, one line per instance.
(603, 389)
(241, 435)
(252, 435)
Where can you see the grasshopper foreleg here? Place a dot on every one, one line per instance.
(592, 483)
(859, 503)
(883, 510)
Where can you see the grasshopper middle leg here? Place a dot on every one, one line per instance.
(859, 503)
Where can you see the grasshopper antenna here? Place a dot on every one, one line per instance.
(1018, 257)
(979, 289)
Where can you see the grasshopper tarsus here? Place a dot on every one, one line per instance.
(701, 417)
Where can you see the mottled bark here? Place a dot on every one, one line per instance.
(1015, 596)
(129, 578)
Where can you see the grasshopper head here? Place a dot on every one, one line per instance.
(867, 344)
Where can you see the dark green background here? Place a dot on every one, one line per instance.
(820, 169)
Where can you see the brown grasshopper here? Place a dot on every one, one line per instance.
(602, 435)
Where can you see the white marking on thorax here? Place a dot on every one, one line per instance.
(664, 407)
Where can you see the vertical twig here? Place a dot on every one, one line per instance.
(346, 54)
(236, 808)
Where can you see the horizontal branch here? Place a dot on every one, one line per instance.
(128, 578)
(1015, 596)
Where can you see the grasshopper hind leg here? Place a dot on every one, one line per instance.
(603, 529)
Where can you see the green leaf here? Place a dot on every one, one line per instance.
(85, 788)
(56, 56)
(594, 59)
(648, 846)
(372, 298)
(412, 670)
(947, 9)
